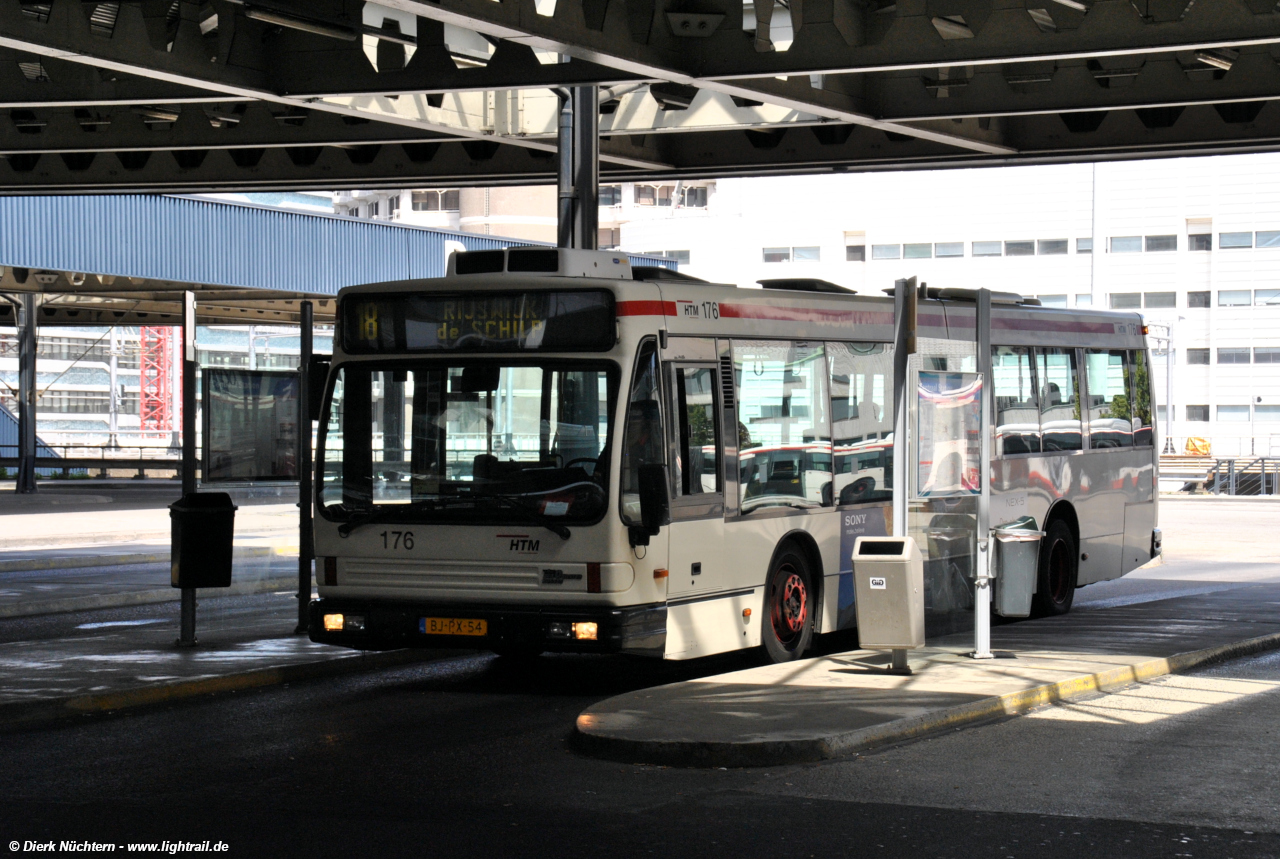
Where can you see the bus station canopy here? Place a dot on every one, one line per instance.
(189, 95)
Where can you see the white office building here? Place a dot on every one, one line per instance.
(1191, 243)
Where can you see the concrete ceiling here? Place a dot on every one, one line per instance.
(184, 96)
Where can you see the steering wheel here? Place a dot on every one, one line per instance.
(591, 459)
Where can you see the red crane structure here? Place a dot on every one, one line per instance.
(155, 406)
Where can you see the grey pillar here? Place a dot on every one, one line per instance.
(564, 171)
(113, 371)
(306, 551)
(27, 396)
(188, 631)
(586, 167)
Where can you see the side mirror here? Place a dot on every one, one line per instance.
(317, 376)
(655, 508)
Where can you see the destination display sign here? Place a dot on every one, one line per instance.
(570, 320)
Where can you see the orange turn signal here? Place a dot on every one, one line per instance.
(660, 574)
(746, 612)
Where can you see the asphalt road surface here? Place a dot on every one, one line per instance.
(470, 756)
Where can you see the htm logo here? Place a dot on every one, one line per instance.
(521, 543)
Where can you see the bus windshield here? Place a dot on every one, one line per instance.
(472, 441)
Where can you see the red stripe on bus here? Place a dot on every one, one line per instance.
(646, 308)
(807, 314)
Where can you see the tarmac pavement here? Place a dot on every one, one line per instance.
(817, 708)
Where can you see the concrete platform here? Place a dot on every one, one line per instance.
(834, 705)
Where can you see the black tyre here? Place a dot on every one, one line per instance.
(789, 607)
(1059, 567)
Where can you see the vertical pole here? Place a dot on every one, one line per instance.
(564, 171)
(904, 298)
(305, 549)
(27, 396)
(113, 369)
(1168, 392)
(982, 584)
(586, 167)
(187, 635)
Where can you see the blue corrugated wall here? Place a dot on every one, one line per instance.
(226, 244)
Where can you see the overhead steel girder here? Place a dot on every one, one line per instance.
(248, 71)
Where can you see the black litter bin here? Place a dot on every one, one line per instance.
(203, 525)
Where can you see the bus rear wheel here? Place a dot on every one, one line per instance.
(1059, 568)
(789, 605)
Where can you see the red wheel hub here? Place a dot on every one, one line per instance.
(791, 608)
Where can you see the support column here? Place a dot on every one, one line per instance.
(578, 171)
(306, 551)
(26, 483)
(188, 631)
(586, 167)
(986, 547)
(113, 370)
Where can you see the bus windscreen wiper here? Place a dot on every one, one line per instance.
(382, 513)
(390, 512)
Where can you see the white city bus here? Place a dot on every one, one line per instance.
(547, 450)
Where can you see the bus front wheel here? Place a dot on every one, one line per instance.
(1059, 566)
(789, 605)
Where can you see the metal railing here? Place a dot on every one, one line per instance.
(1257, 476)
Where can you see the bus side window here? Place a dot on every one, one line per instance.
(1141, 388)
(862, 421)
(699, 444)
(642, 438)
(1107, 381)
(1059, 381)
(1017, 411)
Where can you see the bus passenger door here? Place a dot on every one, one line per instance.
(696, 538)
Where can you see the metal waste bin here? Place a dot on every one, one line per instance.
(888, 575)
(1017, 564)
(202, 528)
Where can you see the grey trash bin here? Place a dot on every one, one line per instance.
(1017, 564)
(202, 527)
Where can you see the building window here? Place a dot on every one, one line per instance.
(886, 251)
(1235, 240)
(855, 253)
(393, 204)
(1156, 244)
(917, 251)
(1052, 300)
(1126, 244)
(434, 201)
(1160, 413)
(948, 249)
(373, 208)
(1233, 356)
(1266, 355)
(353, 212)
(1084, 301)
(1154, 300)
(694, 198)
(1200, 242)
(776, 254)
(1197, 299)
(1266, 297)
(1198, 356)
(1084, 246)
(809, 254)
(1126, 300)
(1019, 249)
(1051, 247)
(666, 194)
(1235, 298)
(609, 237)
(610, 195)
(988, 249)
(1266, 413)
(1269, 239)
(1198, 414)
(1233, 413)
(646, 195)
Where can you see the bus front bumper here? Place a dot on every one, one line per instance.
(366, 624)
